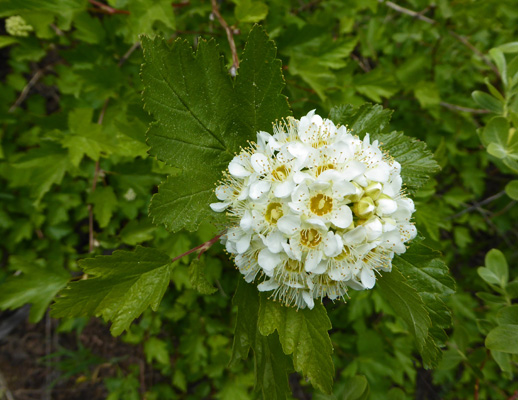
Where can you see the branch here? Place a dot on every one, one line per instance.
(25, 91)
(202, 248)
(463, 109)
(230, 37)
(430, 21)
(106, 8)
(477, 206)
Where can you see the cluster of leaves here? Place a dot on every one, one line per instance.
(77, 175)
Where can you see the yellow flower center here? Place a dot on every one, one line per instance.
(273, 213)
(322, 168)
(280, 173)
(294, 266)
(321, 204)
(310, 237)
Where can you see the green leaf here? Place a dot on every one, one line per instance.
(37, 286)
(86, 138)
(156, 349)
(425, 272)
(417, 162)
(302, 333)
(271, 364)
(498, 57)
(198, 279)
(407, 304)
(488, 102)
(508, 315)
(376, 84)
(202, 119)
(367, 118)
(45, 166)
(119, 287)
(488, 276)
(137, 232)
(511, 47)
(496, 263)
(7, 41)
(148, 17)
(182, 201)
(496, 131)
(511, 189)
(503, 338)
(104, 203)
(356, 388)
(250, 11)
(427, 94)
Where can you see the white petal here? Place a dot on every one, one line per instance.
(321, 267)
(379, 173)
(237, 169)
(317, 222)
(308, 299)
(284, 189)
(223, 192)
(374, 229)
(243, 243)
(258, 189)
(274, 241)
(312, 260)
(341, 272)
(353, 170)
(299, 151)
(260, 163)
(288, 224)
(344, 188)
(355, 236)
(386, 206)
(300, 177)
(368, 278)
(268, 260)
(342, 217)
(332, 245)
(246, 221)
(219, 207)
(268, 285)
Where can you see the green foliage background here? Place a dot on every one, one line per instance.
(70, 99)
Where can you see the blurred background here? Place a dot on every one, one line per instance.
(76, 180)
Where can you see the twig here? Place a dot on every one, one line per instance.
(406, 11)
(477, 206)
(463, 109)
(230, 37)
(25, 91)
(430, 21)
(107, 9)
(127, 55)
(202, 248)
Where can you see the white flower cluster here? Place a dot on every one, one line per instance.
(16, 26)
(315, 210)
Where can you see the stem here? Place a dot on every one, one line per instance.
(35, 78)
(463, 109)
(106, 8)
(202, 247)
(230, 37)
(478, 205)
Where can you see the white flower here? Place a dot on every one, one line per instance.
(17, 26)
(314, 211)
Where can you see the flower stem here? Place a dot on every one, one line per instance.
(202, 248)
